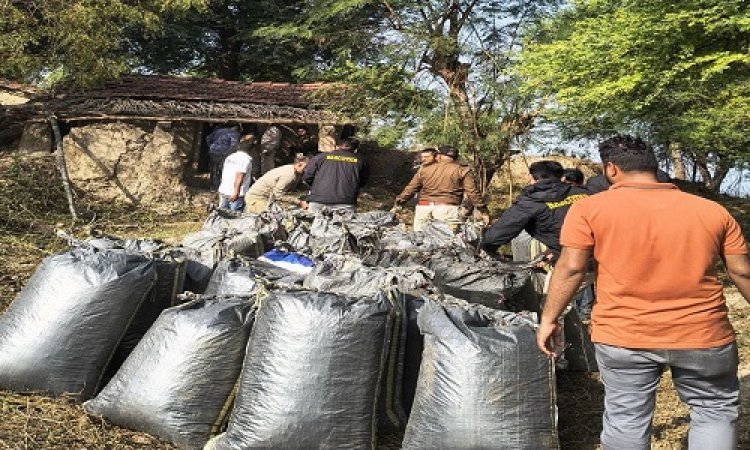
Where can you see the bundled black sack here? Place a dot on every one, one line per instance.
(170, 278)
(177, 383)
(204, 249)
(505, 287)
(311, 373)
(580, 353)
(60, 332)
(268, 225)
(344, 274)
(241, 276)
(483, 383)
(413, 345)
(233, 277)
(375, 218)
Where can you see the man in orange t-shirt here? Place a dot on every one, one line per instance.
(659, 301)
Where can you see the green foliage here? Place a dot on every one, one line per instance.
(445, 67)
(224, 39)
(81, 39)
(680, 70)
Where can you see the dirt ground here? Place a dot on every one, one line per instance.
(32, 207)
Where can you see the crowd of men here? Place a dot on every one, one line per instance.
(249, 174)
(651, 250)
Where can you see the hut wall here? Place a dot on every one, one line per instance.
(140, 163)
(36, 138)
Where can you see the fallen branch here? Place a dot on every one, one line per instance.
(61, 166)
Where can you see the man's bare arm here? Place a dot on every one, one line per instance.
(738, 270)
(569, 273)
(238, 177)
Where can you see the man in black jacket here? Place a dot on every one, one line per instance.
(540, 209)
(336, 177)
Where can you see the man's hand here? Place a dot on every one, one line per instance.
(549, 338)
(544, 261)
(485, 216)
(234, 196)
(396, 208)
(303, 204)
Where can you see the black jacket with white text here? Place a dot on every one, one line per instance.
(335, 177)
(540, 209)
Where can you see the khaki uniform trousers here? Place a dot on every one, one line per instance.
(425, 213)
(255, 205)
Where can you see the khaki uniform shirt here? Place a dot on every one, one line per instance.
(276, 184)
(444, 183)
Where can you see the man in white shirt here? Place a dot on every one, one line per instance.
(236, 175)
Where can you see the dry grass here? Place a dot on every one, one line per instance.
(34, 422)
(32, 205)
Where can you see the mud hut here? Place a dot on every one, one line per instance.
(12, 96)
(142, 139)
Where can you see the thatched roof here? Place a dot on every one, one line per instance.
(18, 88)
(189, 99)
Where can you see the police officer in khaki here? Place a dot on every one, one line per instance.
(442, 186)
(276, 185)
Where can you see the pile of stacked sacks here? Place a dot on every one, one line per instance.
(295, 331)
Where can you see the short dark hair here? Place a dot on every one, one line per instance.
(629, 153)
(546, 170)
(349, 143)
(429, 150)
(447, 150)
(573, 176)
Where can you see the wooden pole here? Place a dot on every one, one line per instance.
(60, 157)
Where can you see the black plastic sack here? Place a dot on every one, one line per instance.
(438, 234)
(170, 278)
(435, 235)
(204, 249)
(580, 353)
(496, 286)
(247, 243)
(347, 275)
(178, 382)
(398, 258)
(483, 383)
(413, 346)
(418, 257)
(60, 332)
(233, 277)
(328, 236)
(170, 270)
(170, 266)
(375, 218)
(311, 374)
(268, 225)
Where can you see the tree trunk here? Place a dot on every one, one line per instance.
(722, 169)
(229, 55)
(712, 181)
(675, 154)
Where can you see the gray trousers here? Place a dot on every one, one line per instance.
(705, 379)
